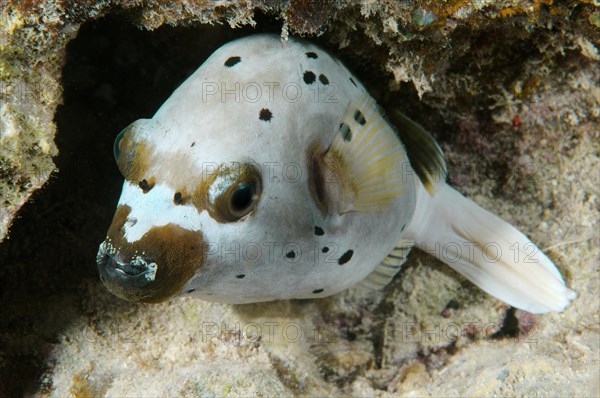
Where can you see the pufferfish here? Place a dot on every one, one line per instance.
(271, 174)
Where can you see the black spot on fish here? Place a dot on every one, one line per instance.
(319, 231)
(177, 198)
(353, 82)
(191, 291)
(232, 61)
(309, 77)
(323, 79)
(144, 185)
(241, 276)
(318, 291)
(359, 117)
(312, 55)
(345, 257)
(402, 229)
(325, 249)
(291, 254)
(193, 143)
(265, 114)
(345, 132)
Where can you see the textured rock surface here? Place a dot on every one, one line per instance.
(511, 91)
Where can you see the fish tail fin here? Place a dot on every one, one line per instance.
(488, 251)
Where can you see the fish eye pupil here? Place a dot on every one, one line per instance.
(234, 193)
(243, 196)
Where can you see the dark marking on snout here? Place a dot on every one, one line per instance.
(177, 199)
(146, 185)
(178, 254)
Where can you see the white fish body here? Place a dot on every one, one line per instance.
(270, 173)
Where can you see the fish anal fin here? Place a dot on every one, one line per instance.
(388, 268)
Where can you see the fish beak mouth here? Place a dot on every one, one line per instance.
(130, 270)
(127, 270)
(126, 279)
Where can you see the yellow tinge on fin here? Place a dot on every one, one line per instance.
(425, 155)
(367, 159)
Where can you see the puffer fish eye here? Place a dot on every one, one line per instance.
(234, 193)
(242, 198)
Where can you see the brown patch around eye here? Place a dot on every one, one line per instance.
(177, 252)
(223, 206)
(199, 197)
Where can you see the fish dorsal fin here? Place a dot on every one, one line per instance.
(388, 268)
(366, 160)
(424, 153)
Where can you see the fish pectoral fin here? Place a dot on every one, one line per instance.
(488, 251)
(388, 268)
(424, 153)
(367, 160)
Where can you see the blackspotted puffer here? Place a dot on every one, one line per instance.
(271, 173)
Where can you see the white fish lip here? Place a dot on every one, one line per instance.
(127, 268)
(119, 276)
